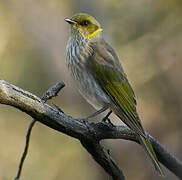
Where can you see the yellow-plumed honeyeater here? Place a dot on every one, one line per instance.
(100, 78)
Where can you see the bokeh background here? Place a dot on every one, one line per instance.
(147, 35)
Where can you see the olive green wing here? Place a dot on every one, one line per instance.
(108, 72)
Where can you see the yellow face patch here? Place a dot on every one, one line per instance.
(94, 33)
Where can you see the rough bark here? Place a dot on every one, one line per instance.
(89, 134)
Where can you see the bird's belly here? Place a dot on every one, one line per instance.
(89, 88)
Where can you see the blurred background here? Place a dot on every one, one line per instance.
(147, 35)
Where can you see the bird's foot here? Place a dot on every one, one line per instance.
(107, 121)
(106, 118)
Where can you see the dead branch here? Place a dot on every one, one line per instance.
(89, 134)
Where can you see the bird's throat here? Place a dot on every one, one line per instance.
(95, 33)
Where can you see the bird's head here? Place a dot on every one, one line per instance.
(84, 24)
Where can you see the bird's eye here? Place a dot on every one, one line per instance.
(85, 23)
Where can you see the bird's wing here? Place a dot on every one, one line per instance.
(108, 72)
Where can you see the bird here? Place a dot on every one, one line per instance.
(100, 78)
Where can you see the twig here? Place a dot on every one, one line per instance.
(25, 150)
(52, 91)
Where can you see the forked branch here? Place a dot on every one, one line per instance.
(89, 134)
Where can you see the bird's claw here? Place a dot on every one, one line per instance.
(107, 120)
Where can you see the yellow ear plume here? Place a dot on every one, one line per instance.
(95, 33)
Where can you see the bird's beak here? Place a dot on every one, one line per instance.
(70, 21)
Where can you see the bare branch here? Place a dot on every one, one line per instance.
(89, 134)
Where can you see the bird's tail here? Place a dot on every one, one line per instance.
(150, 151)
